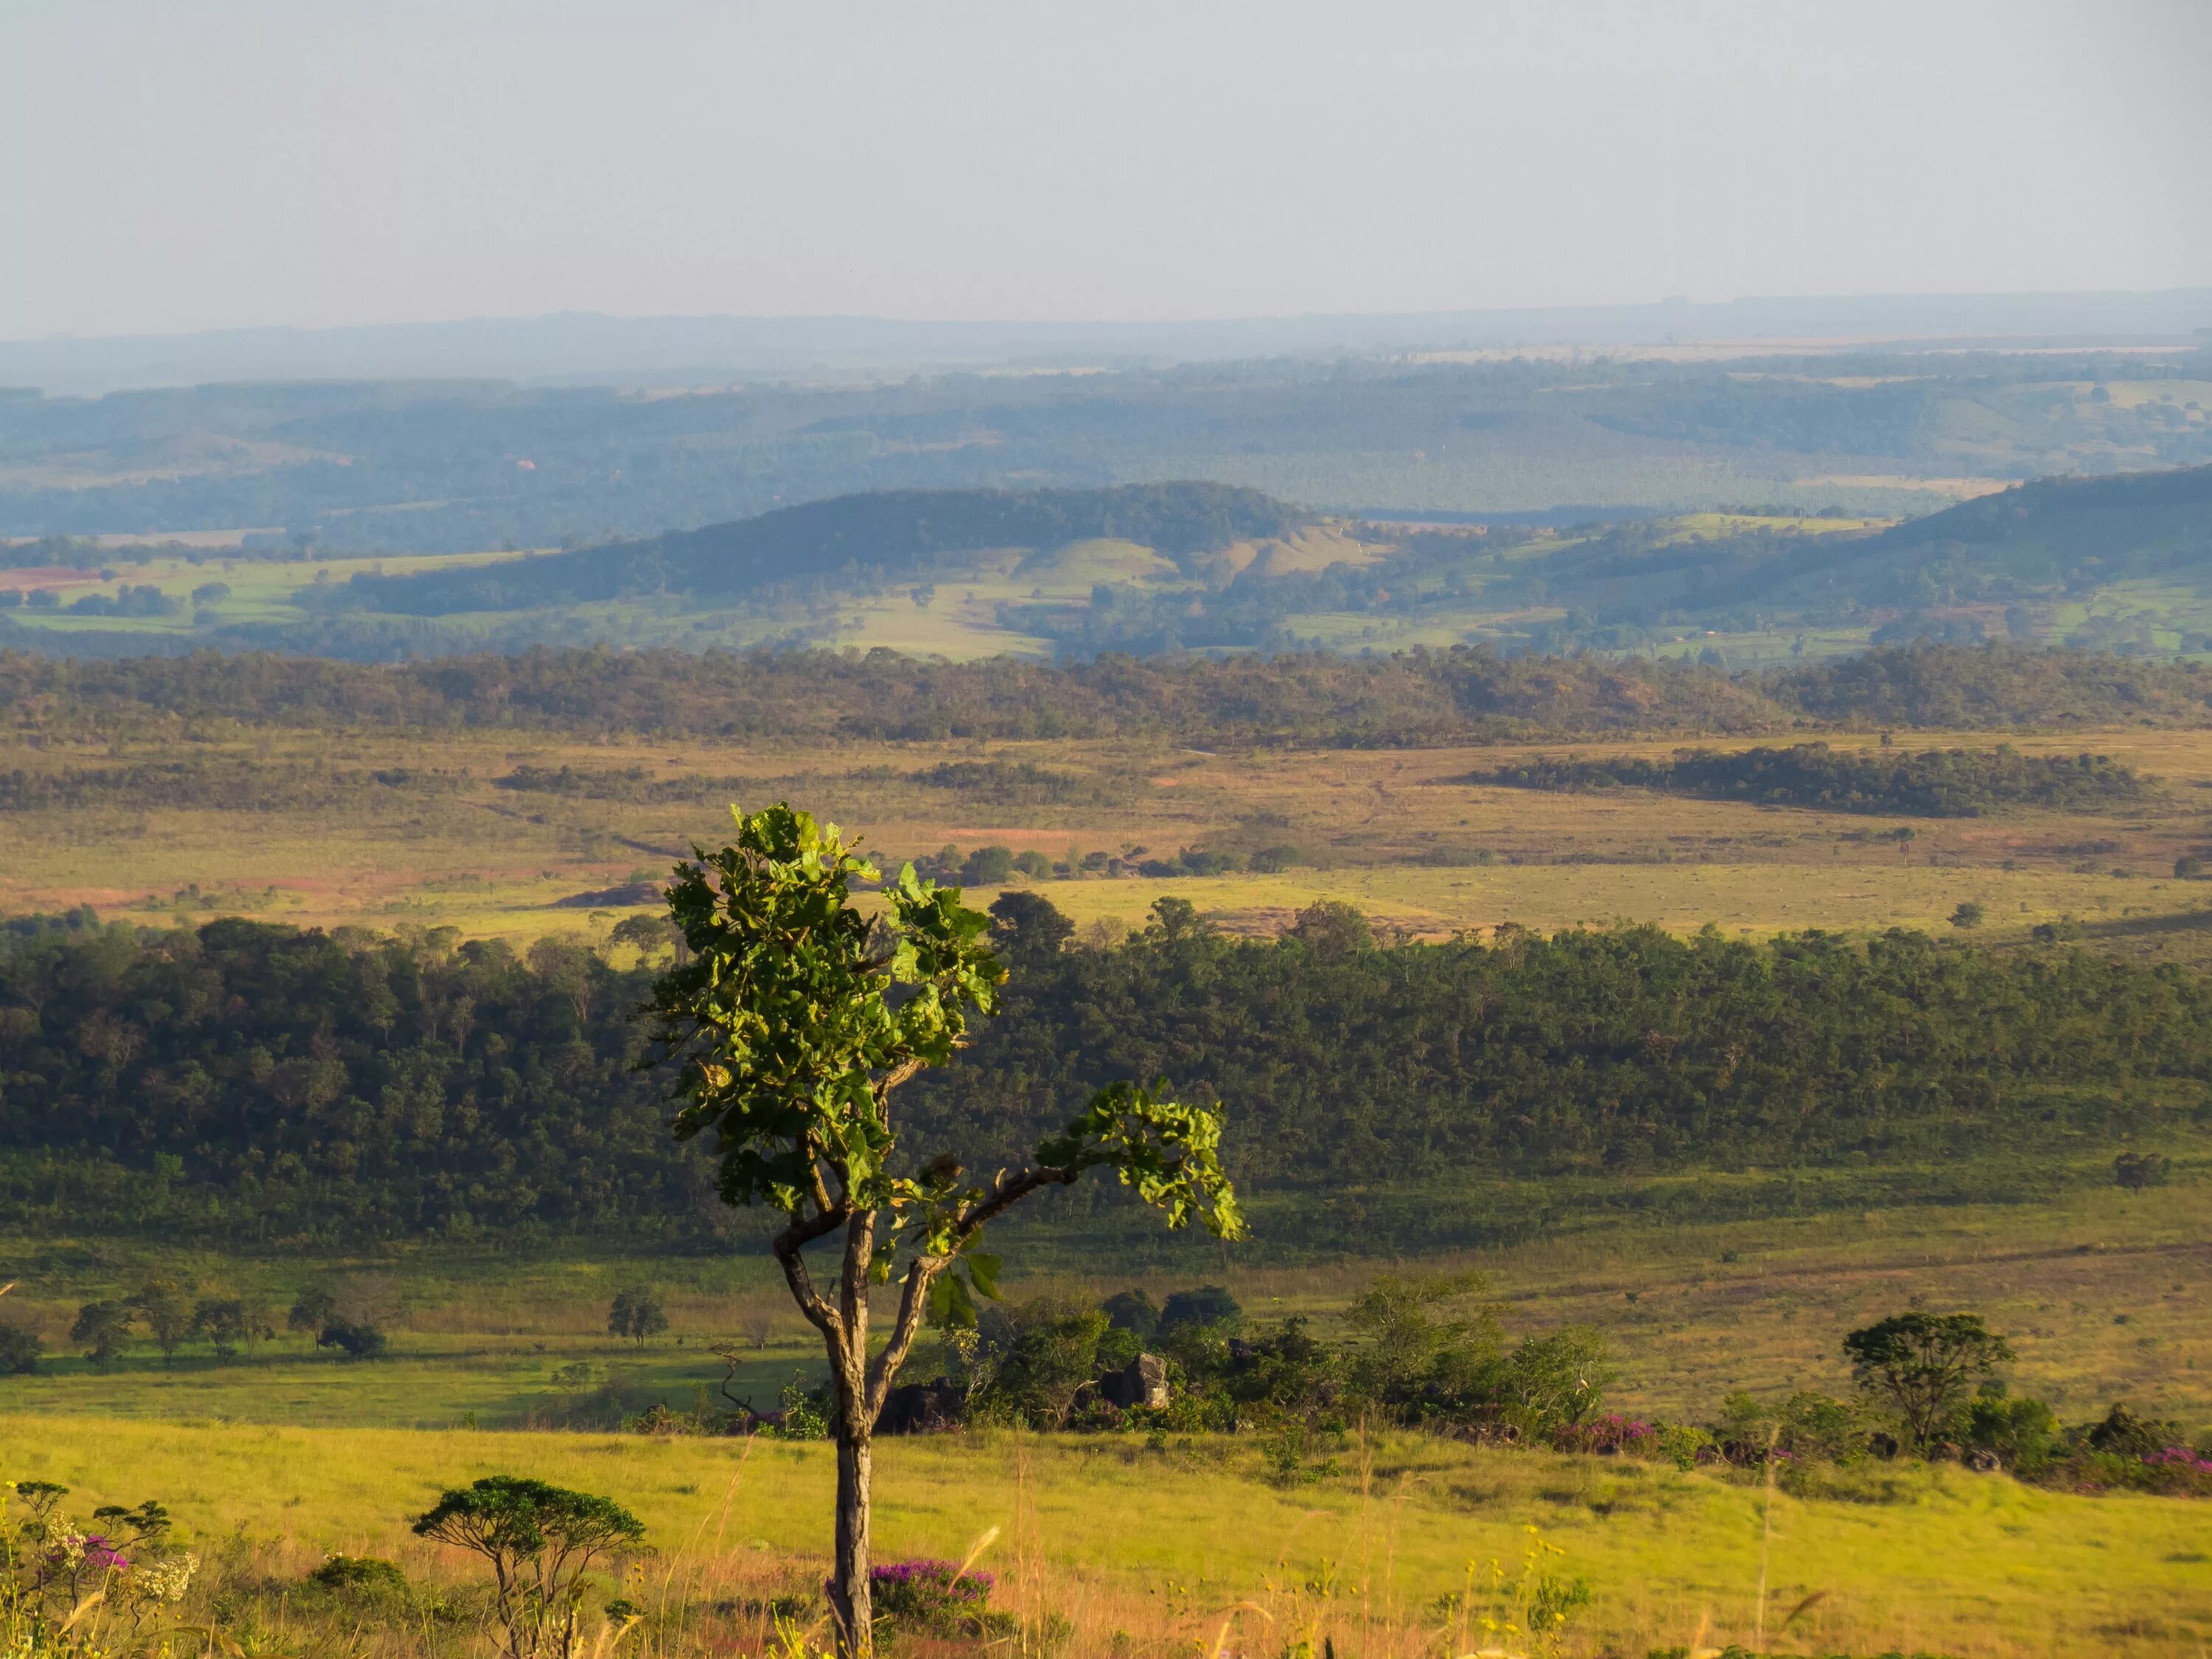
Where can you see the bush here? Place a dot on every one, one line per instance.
(987, 867)
(366, 1576)
(934, 1596)
(1132, 1311)
(357, 1338)
(1034, 1359)
(1210, 1304)
(19, 1350)
(2022, 1432)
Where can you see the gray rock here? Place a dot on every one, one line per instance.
(1142, 1382)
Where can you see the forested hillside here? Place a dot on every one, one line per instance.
(1405, 700)
(845, 544)
(255, 1082)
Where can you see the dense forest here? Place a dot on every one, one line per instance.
(256, 1082)
(1943, 783)
(1414, 699)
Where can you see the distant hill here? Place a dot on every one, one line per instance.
(846, 542)
(2041, 540)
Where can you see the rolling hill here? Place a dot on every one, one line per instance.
(849, 543)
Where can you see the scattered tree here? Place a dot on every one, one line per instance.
(226, 1322)
(636, 1314)
(1921, 1365)
(1331, 928)
(796, 1019)
(1968, 915)
(1132, 1311)
(2136, 1170)
(538, 1540)
(314, 1310)
(18, 1349)
(102, 1327)
(168, 1315)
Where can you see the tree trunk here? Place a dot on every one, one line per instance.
(853, 1595)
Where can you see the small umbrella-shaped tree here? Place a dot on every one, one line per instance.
(538, 1540)
(794, 1018)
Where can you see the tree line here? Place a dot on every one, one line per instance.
(1412, 699)
(253, 1081)
(1944, 783)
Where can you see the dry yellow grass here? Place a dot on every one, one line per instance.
(1391, 832)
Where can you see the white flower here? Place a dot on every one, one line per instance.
(163, 1581)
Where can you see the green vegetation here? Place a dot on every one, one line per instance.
(1420, 699)
(856, 541)
(251, 1081)
(792, 1017)
(1933, 783)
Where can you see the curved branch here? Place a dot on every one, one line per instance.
(787, 1247)
(914, 1296)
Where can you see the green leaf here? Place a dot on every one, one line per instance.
(984, 1270)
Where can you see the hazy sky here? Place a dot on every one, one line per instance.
(167, 167)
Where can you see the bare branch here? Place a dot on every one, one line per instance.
(914, 1303)
(1005, 1194)
(787, 1246)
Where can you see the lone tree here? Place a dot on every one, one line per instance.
(538, 1540)
(1922, 1364)
(794, 1019)
(636, 1314)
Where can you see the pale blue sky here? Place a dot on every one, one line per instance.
(166, 168)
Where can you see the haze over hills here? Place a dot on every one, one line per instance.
(587, 348)
(2121, 562)
(396, 467)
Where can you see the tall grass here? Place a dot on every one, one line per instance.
(1113, 1547)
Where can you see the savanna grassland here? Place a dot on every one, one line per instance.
(1730, 1270)
(499, 1364)
(510, 834)
(1190, 1546)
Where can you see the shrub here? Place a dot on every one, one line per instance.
(366, 1576)
(987, 866)
(1132, 1311)
(1210, 1304)
(1032, 1360)
(2022, 1432)
(19, 1350)
(936, 1597)
(357, 1339)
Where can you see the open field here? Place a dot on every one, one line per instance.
(1146, 1549)
(373, 830)
(2107, 1295)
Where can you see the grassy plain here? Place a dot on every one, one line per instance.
(2107, 1295)
(1151, 1549)
(1391, 832)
